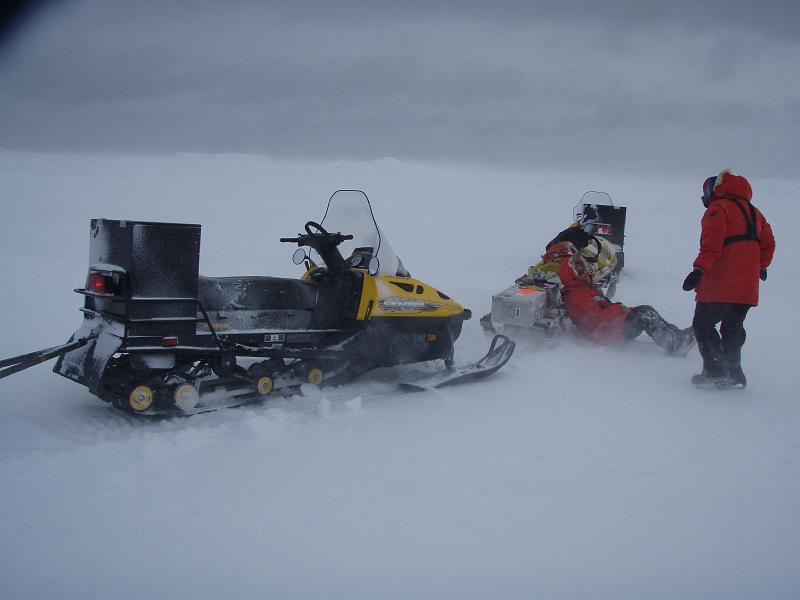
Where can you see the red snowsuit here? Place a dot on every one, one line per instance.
(730, 272)
(595, 317)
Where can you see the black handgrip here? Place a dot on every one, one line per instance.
(347, 237)
(290, 239)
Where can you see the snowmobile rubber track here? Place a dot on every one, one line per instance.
(241, 397)
(498, 355)
(248, 399)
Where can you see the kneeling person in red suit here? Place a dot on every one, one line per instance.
(598, 319)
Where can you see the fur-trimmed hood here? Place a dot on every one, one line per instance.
(729, 185)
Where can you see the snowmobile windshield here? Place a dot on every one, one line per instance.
(350, 212)
(584, 210)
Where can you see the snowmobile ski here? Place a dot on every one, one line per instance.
(499, 353)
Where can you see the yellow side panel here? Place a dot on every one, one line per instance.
(369, 297)
(384, 287)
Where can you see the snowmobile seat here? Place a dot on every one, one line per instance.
(248, 304)
(255, 293)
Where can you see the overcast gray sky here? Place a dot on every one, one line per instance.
(625, 85)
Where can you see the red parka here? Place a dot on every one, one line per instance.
(731, 271)
(595, 317)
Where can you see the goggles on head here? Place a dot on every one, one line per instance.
(708, 189)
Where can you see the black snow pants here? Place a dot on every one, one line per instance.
(646, 318)
(721, 352)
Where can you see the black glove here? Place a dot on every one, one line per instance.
(692, 279)
(763, 274)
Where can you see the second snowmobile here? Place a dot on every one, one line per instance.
(157, 338)
(533, 302)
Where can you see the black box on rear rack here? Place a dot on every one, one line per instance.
(155, 266)
(141, 292)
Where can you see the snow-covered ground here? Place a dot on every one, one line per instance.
(575, 472)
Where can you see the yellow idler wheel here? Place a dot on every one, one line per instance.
(315, 376)
(186, 397)
(141, 398)
(264, 385)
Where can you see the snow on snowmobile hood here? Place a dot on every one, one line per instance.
(350, 212)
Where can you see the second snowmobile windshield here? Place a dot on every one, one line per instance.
(349, 212)
(590, 198)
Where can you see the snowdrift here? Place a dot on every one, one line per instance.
(575, 472)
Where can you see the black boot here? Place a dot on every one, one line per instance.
(733, 379)
(733, 338)
(684, 341)
(710, 377)
(709, 344)
(676, 341)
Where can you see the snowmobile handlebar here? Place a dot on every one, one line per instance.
(325, 243)
(316, 235)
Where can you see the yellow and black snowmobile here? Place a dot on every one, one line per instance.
(157, 338)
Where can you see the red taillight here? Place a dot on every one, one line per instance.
(111, 282)
(105, 283)
(97, 283)
(169, 341)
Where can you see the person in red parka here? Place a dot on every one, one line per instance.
(736, 247)
(598, 319)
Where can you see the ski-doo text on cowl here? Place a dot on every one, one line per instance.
(157, 338)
